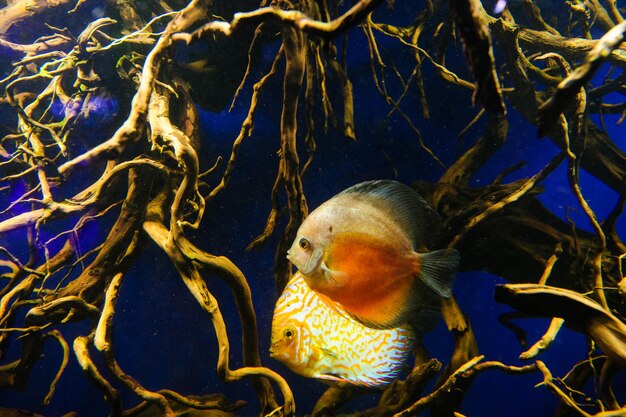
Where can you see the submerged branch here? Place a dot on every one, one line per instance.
(579, 312)
(149, 152)
(132, 129)
(293, 18)
(567, 89)
(469, 370)
(191, 276)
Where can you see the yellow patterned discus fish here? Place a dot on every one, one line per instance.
(316, 338)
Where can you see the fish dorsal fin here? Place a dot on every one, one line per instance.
(410, 210)
(437, 270)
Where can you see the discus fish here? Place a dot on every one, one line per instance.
(360, 249)
(317, 339)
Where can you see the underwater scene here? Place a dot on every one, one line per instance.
(315, 207)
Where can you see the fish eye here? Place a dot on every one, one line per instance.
(289, 333)
(304, 243)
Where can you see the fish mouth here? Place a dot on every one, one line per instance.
(273, 353)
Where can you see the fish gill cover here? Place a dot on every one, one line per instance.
(158, 158)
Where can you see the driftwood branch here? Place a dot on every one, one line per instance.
(294, 18)
(144, 177)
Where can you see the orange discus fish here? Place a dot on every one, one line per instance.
(319, 340)
(362, 249)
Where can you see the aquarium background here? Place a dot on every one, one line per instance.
(165, 340)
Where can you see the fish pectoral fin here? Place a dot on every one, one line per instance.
(327, 352)
(437, 270)
(334, 277)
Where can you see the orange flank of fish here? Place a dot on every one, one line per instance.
(376, 279)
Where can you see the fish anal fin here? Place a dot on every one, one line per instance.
(437, 270)
(336, 380)
(333, 379)
(367, 380)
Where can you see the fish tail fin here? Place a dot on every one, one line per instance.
(437, 270)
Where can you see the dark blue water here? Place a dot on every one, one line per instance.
(165, 340)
